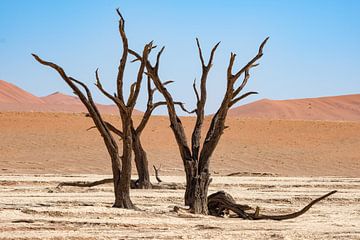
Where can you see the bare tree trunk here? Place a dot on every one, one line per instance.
(190, 171)
(141, 162)
(198, 193)
(117, 187)
(122, 184)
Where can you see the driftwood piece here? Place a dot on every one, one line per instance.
(220, 203)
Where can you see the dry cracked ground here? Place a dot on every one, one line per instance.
(32, 208)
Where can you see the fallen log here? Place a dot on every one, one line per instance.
(85, 184)
(220, 203)
(133, 185)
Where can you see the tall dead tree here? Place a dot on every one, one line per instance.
(121, 165)
(141, 161)
(196, 159)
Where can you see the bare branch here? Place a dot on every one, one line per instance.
(252, 61)
(230, 67)
(132, 92)
(150, 105)
(121, 68)
(167, 82)
(241, 97)
(119, 13)
(135, 54)
(180, 104)
(88, 129)
(114, 129)
(243, 84)
(158, 58)
(196, 91)
(135, 91)
(212, 54)
(114, 98)
(200, 53)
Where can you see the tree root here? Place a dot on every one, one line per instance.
(220, 203)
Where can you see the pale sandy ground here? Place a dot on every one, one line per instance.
(59, 143)
(73, 213)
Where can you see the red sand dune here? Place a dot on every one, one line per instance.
(60, 98)
(11, 94)
(343, 108)
(15, 99)
(346, 108)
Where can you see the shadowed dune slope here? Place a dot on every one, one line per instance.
(337, 108)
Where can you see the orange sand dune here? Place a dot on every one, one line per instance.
(60, 143)
(60, 98)
(11, 94)
(15, 99)
(346, 108)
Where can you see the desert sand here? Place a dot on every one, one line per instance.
(60, 143)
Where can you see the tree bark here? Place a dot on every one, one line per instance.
(198, 192)
(122, 179)
(141, 162)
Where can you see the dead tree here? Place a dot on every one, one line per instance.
(196, 159)
(141, 161)
(121, 165)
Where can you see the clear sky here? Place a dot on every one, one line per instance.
(313, 50)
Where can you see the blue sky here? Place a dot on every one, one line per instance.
(313, 48)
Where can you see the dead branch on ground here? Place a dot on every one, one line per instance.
(221, 203)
